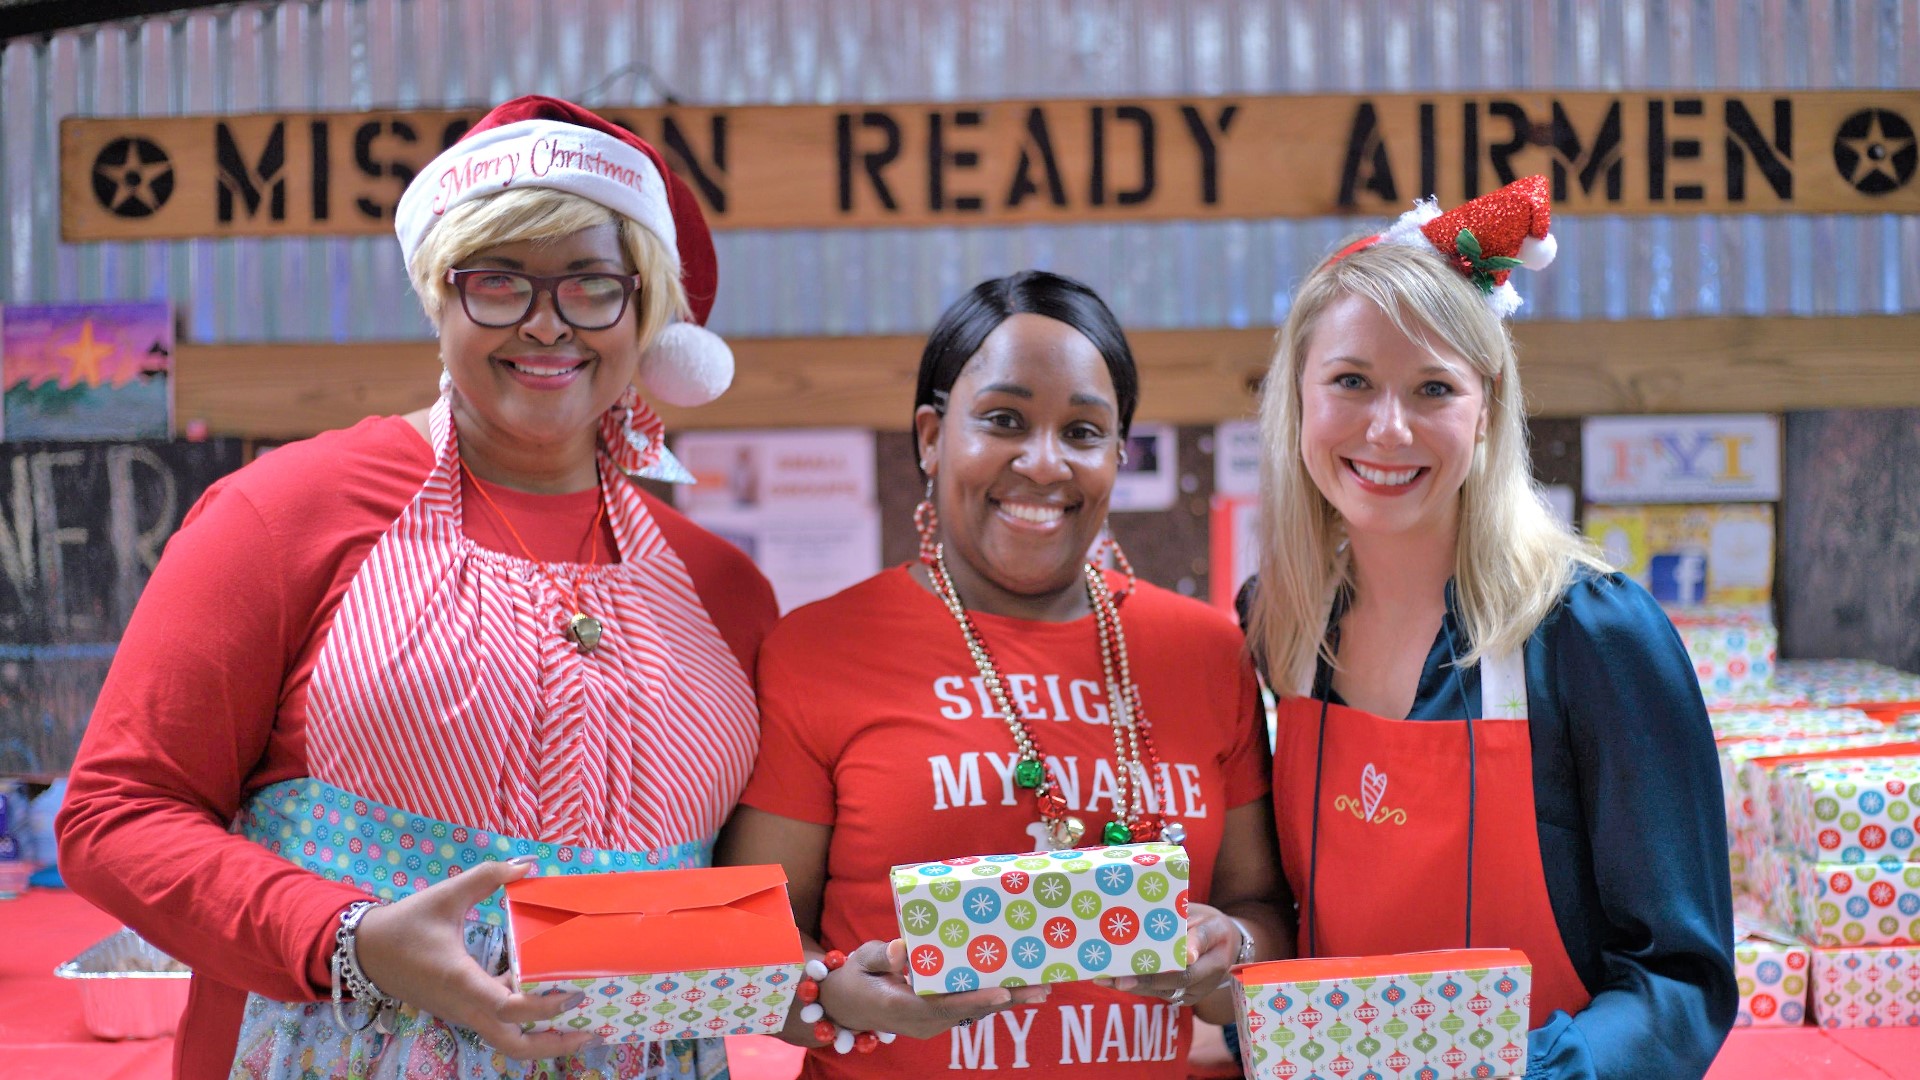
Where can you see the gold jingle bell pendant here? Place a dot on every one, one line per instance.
(1065, 832)
(584, 631)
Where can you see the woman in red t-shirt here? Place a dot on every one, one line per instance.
(964, 706)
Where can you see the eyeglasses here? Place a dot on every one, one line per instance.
(501, 298)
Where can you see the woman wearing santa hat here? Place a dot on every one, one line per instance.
(1485, 737)
(381, 672)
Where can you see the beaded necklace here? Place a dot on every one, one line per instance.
(1135, 759)
(582, 629)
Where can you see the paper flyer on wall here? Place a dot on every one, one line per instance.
(801, 504)
(1150, 476)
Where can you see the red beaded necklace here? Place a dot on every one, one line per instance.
(1136, 761)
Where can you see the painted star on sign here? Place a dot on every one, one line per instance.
(1876, 150)
(83, 357)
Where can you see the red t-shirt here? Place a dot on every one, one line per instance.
(206, 703)
(874, 721)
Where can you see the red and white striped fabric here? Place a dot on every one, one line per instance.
(446, 685)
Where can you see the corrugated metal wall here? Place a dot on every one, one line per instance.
(351, 54)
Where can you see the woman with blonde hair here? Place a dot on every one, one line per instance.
(1484, 737)
(384, 671)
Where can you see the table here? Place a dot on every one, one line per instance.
(42, 1034)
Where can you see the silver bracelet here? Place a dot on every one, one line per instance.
(1245, 954)
(349, 978)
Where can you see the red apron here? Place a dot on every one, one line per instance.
(1403, 806)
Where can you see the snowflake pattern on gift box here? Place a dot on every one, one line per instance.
(1067, 915)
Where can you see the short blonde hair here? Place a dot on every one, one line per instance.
(1514, 560)
(523, 214)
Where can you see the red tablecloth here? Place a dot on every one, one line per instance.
(42, 1034)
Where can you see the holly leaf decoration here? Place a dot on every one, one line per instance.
(1481, 268)
(1467, 244)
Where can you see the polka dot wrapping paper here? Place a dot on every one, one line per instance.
(1043, 917)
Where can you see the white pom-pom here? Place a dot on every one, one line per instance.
(1537, 252)
(1504, 300)
(843, 1041)
(1406, 228)
(886, 1036)
(686, 365)
(816, 970)
(812, 1012)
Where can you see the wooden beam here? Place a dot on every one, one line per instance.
(1190, 377)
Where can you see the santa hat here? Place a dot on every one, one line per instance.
(544, 142)
(1485, 239)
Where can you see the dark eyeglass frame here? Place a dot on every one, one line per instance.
(629, 284)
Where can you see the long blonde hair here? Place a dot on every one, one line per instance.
(536, 213)
(1513, 561)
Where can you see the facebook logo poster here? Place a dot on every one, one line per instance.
(1679, 579)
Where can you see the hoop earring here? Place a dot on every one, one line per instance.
(1109, 546)
(926, 520)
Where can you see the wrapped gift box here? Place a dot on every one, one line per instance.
(1834, 904)
(1788, 723)
(1056, 916)
(1881, 689)
(1437, 1015)
(662, 954)
(1771, 968)
(1750, 771)
(1850, 811)
(1867, 987)
(1732, 654)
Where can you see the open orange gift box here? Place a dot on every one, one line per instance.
(660, 954)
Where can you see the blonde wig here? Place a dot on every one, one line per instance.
(520, 214)
(1513, 561)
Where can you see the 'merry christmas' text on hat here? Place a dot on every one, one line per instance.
(544, 142)
(1485, 238)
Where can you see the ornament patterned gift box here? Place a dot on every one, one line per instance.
(660, 954)
(1043, 917)
(1840, 904)
(1848, 682)
(1732, 655)
(1422, 1016)
(1788, 723)
(1850, 811)
(1867, 987)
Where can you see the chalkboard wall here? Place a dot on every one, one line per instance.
(81, 526)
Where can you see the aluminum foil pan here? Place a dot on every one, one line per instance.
(128, 988)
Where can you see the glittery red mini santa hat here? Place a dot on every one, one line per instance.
(1485, 239)
(536, 141)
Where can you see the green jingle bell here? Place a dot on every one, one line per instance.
(1028, 773)
(1116, 833)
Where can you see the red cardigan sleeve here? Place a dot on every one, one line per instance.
(176, 742)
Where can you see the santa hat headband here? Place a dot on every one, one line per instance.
(544, 142)
(1486, 239)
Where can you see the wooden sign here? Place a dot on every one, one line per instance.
(775, 167)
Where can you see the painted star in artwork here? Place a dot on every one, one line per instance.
(1876, 152)
(1515, 706)
(1114, 877)
(1119, 923)
(1060, 932)
(1159, 923)
(83, 357)
(1096, 954)
(1153, 887)
(954, 934)
(917, 920)
(1027, 953)
(983, 905)
(1086, 905)
(964, 980)
(1052, 888)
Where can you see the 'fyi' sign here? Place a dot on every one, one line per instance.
(1654, 459)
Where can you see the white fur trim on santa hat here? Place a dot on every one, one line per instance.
(1537, 252)
(686, 365)
(537, 153)
(1406, 228)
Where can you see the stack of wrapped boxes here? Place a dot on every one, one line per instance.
(1821, 815)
